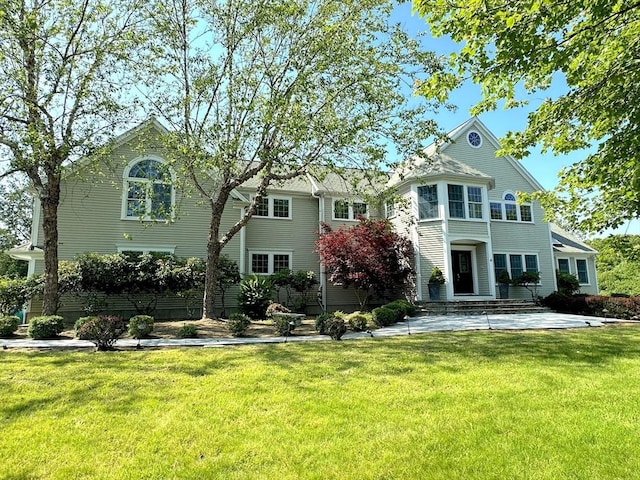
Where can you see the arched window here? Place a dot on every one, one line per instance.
(148, 190)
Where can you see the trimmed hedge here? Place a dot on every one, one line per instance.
(8, 326)
(383, 316)
(140, 326)
(238, 324)
(595, 305)
(45, 327)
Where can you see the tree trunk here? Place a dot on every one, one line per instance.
(213, 255)
(50, 201)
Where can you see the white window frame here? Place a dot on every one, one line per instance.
(465, 201)
(523, 256)
(503, 203)
(586, 264)
(270, 254)
(390, 209)
(125, 192)
(438, 194)
(568, 264)
(144, 248)
(350, 203)
(270, 198)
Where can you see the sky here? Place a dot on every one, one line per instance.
(545, 168)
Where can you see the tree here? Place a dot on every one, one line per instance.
(618, 264)
(259, 93)
(515, 46)
(369, 256)
(15, 225)
(63, 67)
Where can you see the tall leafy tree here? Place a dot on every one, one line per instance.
(368, 256)
(15, 224)
(63, 67)
(516, 47)
(618, 264)
(260, 92)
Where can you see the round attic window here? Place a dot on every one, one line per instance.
(474, 139)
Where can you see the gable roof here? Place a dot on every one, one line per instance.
(566, 242)
(438, 149)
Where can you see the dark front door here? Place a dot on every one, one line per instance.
(462, 272)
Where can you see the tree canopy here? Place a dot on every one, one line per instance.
(517, 47)
(369, 256)
(618, 264)
(63, 71)
(259, 93)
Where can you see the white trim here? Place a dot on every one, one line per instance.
(469, 132)
(350, 203)
(270, 253)
(125, 190)
(270, 198)
(474, 266)
(243, 241)
(145, 248)
(586, 264)
(465, 201)
(524, 262)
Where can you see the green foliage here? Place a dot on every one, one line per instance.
(238, 324)
(228, 276)
(8, 326)
(406, 307)
(437, 277)
(504, 277)
(567, 284)
(187, 331)
(80, 322)
(15, 292)
(523, 46)
(321, 323)
(12, 268)
(103, 331)
(618, 264)
(300, 282)
(530, 281)
(358, 321)
(283, 323)
(255, 296)
(48, 326)
(626, 308)
(383, 317)
(140, 326)
(336, 328)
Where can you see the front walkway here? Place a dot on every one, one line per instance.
(522, 321)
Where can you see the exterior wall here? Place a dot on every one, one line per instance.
(590, 288)
(431, 251)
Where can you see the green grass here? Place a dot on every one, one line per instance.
(485, 405)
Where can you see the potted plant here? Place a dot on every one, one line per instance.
(436, 279)
(503, 284)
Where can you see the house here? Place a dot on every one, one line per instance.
(458, 203)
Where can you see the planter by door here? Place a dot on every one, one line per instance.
(434, 291)
(504, 290)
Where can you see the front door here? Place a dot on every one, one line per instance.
(462, 272)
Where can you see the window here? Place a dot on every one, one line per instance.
(563, 265)
(474, 139)
(456, 201)
(465, 201)
(496, 210)
(266, 263)
(344, 210)
(474, 196)
(525, 213)
(390, 209)
(273, 207)
(509, 209)
(129, 249)
(514, 263)
(583, 272)
(428, 202)
(148, 189)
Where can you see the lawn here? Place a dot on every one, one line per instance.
(485, 405)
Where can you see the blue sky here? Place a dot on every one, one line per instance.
(544, 168)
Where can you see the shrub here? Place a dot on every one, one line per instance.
(283, 324)
(397, 309)
(358, 321)
(567, 284)
(407, 308)
(255, 296)
(321, 323)
(103, 331)
(79, 323)
(140, 326)
(15, 292)
(187, 331)
(238, 324)
(383, 316)
(45, 327)
(336, 328)
(8, 326)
